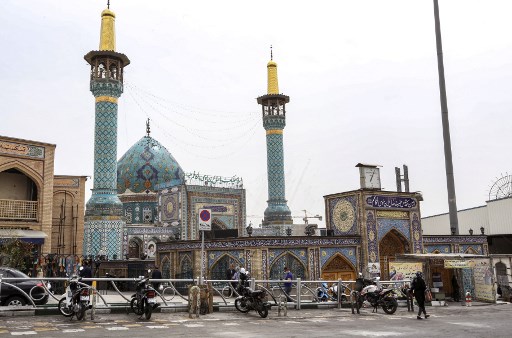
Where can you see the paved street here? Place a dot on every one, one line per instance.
(451, 321)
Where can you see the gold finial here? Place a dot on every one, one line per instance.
(148, 131)
(107, 34)
(272, 84)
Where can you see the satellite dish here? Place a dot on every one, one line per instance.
(501, 188)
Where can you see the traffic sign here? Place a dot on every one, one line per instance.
(205, 219)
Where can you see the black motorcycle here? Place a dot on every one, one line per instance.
(251, 300)
(76, 300)
(373, 294)
(144, 300)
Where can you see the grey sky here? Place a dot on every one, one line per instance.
(361, 76)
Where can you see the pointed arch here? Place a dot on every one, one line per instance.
(338, 267)
(219, 267)
(290, 260)
(185, 267)
(135, 247)
(165, 267)
(471, 251)
(393, 243)
(24, 169)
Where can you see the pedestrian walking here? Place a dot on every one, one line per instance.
(288, 276)
(418, 287)
(156, 274)
(86, 272)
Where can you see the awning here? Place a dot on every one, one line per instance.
(30, 236)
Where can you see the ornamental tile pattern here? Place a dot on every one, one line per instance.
(417, 237)
(262, 242)
(454, 239)
(299, 253)
(105, 146)
(275, 166)
(463, 248)
(371, 230)
(103, 234)
(438, 248)
(349, 253)
(248, 260)
(467, 282)
(264, 264)
(343, 215)
(148, 166)
(215, 255)
(386, 225)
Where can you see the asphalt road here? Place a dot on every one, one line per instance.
(451, 321)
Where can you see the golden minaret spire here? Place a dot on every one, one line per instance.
(108, 34)
(272, 85)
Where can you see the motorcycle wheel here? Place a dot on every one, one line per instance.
(148, 310)
(241, 305)
(80, 312)
(263, 312)
(134, 304)
(63, 308)
(390, 305)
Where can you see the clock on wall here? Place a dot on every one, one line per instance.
(369, 175)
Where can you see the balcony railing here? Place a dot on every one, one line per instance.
(18, 210)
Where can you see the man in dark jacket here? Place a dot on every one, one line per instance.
(418, 287)
(156, 274)
(86, 272)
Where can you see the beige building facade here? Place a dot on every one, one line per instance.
(33, 200)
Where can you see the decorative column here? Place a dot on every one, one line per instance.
(104, 223)
(274, 121)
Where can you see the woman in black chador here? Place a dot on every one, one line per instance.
(418, 286)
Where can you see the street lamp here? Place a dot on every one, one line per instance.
(249, 229)
(471, 231)
(288, 231)
(482, 230)
(177, 236)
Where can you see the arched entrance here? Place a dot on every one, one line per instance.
(134, 248)
(289, 260)
(220, 267)
(393, 243)
(338, 267)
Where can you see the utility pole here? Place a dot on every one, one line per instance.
(450, 183)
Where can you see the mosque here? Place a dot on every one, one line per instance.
(146, 206)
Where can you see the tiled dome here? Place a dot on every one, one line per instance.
(148, 166)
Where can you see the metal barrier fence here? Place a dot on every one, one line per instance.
(303, 292)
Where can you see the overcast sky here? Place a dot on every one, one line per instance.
(361, 76)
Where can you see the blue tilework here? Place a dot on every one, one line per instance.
(349, 253)
(214, 256)
(385, 225)
(476, 247)
(148, 166)
(442, 248)
(300, 253)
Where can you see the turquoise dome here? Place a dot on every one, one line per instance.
(146, 167)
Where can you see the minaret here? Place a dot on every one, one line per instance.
(104, 224)
(274, 121)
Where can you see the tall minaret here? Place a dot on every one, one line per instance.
(104, 224)
(274, 121)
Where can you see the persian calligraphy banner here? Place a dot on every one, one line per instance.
(458, 264)
(483, 277)
(400, 271)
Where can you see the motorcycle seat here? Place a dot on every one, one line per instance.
(256, 293)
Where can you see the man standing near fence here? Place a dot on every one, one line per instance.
(288, 285)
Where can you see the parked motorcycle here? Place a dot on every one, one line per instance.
(322, 293)
(250, 299)
(144, 300)
(375, 295)
(77, 299)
